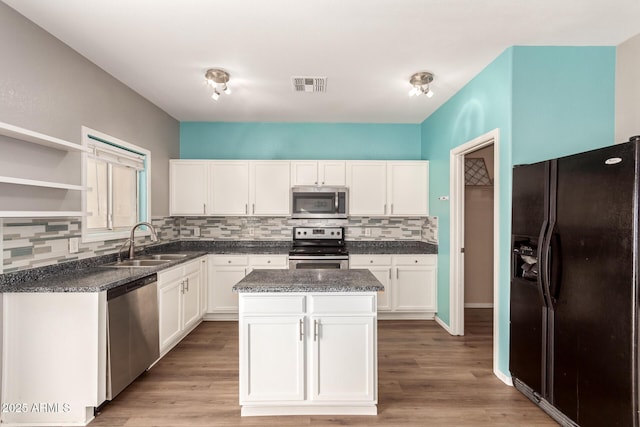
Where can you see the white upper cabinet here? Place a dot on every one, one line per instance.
(188, 187)
(229, 187)
(394, 188)
(408, 191)
(270, 188)
(367, 182)
(322, 172)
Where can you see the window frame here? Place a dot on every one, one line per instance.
(92, 136)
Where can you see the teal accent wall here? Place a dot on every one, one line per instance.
(349, 141)
(546, 102)
(564, 101)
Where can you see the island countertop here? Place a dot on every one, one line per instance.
(265, 281)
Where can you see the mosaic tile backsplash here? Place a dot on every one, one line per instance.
(29, 243)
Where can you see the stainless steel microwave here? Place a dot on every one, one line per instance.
(319, 202)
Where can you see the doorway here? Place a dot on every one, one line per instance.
(457, 233)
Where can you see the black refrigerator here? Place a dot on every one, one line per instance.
(574, 285)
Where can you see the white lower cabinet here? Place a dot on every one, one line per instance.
(409, 282)
(227, 270)
(179, 294)
(308, 354)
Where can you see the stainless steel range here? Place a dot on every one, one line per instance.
(318, 247)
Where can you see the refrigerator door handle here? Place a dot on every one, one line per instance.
(554, 262)
(542, 275)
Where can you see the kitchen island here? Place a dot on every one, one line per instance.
(308, 342)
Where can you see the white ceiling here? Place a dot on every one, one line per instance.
(367, 49)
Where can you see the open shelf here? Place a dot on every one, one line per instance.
(41, 175)
(39, 138)
(37, 183)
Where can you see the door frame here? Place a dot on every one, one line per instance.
(457, 191)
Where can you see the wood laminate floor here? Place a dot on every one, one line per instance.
(426, 378)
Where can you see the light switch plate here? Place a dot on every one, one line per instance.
(74, 245)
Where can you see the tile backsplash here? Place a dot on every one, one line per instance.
(271, 228)
(29, 243)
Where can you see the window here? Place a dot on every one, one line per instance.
(117, 197)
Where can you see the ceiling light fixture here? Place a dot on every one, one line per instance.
(218, 79)
(420, 82)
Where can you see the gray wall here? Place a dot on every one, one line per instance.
(47, 87)
(627, 89)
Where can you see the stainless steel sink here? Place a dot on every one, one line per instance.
(138, 263)
(169, 257)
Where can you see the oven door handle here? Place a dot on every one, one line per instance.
(327, 258)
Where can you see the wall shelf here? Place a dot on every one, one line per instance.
(41, 175)
(27, 135)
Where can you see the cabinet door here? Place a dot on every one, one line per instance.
(191, 300)
(188, 187)
(332, 173)
(380, 266)
(204, 283)
(344, 358)
(272, 358)
(383, 274)
(270, 188)
(221, 298)
(408, 188)
(304, 172)
(229, 187)
(170, 312)
(367, 182)
(414, 289)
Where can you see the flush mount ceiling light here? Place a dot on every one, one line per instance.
(217, 79)
(420, 82)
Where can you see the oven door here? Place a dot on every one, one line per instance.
(315, 262)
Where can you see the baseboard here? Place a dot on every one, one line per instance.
(502, 377)
(383, 315)
(444, 326)
(478, 305)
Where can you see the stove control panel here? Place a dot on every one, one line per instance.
(302, 233)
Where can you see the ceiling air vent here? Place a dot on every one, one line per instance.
(309, 84)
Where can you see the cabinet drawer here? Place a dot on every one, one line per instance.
(230, 260)
(192, 267)
(269, 261)
(265, 304)
(415, 260)
(170, 275)
(352, 304)
(367, 260)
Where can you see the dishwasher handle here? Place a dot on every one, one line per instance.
(131, 286)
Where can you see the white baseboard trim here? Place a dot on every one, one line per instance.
(478, 305)
(504, 378)
(444, 326)
(383, 315)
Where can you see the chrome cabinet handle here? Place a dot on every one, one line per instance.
(253, 208)
(397, 273)
(315, 330)
(389, 274)
(301, 329)
(246, 209)
(204, 208)
(385, 209)
(391, 208)
(187, 284)
(182, 287)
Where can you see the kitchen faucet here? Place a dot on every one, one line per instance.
(154, 238)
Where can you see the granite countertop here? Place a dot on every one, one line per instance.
(91, 275)
(267, 281)
(89, 279)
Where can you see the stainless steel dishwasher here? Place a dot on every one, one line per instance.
(132, 332)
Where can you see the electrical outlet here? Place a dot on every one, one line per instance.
(367, 232)
(250, 231)
(196, 232)
(74, 245)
